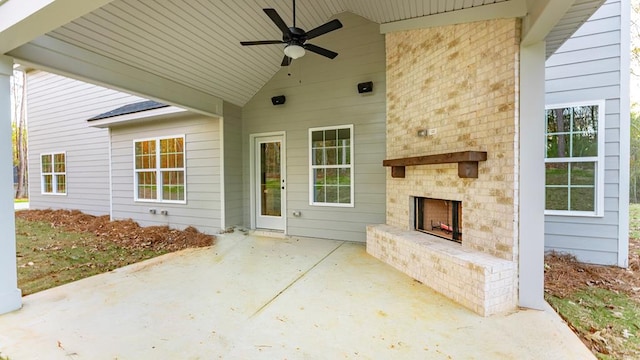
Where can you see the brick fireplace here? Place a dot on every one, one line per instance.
(462, 81)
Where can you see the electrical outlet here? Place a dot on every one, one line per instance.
(432, 132)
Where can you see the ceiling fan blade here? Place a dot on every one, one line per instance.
(261, 42)
(321, 51)
(273, 15)
(286, 61)
(323, 29)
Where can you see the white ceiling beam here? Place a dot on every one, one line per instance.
(23, 21)
(542, 17)
(62, 58)
(501, 10)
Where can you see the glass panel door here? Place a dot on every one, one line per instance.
(270, 178)
(269, 182)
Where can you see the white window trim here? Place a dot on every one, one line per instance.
(159, 171)
(350, 166)
(53, 173)
(599, 160)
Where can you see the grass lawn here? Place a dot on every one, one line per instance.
(609, 321)
(634, 221)
(601, 304)
(49, 257)
(55, 247)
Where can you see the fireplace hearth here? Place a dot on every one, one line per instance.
(439, 217)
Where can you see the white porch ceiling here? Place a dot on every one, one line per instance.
(196, 42)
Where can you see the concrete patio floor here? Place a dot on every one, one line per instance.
(251, 297)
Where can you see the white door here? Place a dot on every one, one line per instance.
(269, 182)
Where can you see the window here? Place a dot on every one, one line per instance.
(574, 161)
(54, 173)
(331, 170)
(160, 169)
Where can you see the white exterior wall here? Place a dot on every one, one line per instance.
(587, 68)
(202, 145)
(58, 109)
(322, 92)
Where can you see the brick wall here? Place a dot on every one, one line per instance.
(462, 81)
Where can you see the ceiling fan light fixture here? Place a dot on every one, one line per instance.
(294, 51)
(295, 38)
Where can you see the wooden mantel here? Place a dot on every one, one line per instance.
(467, 162)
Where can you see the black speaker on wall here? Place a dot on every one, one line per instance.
(278, 100)
(365, 87)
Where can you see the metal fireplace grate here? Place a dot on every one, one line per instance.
(439, 217)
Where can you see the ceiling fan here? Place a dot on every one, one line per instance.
(296, 38)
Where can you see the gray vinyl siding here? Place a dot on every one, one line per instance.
(202, 146)
(234, 209)
(587, 67)
(321, 92)
(58, 109)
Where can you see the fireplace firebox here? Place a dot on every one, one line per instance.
(439, 217)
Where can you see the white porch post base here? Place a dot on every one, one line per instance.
(10, 295)
(10, 301)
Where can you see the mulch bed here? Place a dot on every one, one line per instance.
(126, 233)
(564, 275)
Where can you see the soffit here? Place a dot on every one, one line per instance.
(577, 15)
(196, 42)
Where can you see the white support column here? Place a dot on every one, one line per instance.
(625, 131)
(531, 201)
(10, 295)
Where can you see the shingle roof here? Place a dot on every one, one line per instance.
(130, 109)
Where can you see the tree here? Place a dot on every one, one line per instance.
(19, 95)
(635, 38)
(634, 165)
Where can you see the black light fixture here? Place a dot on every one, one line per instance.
(365, 87)
(278, 100)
